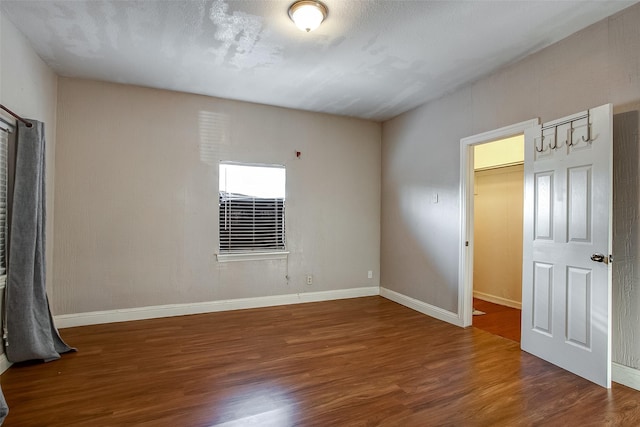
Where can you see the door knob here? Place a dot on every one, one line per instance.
(597, 257)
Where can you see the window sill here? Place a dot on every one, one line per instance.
(252, 256)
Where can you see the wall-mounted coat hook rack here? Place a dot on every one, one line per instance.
(569, 142)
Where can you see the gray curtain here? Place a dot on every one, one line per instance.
(31, 334)
(4, 409)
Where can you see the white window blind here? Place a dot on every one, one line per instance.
(252, 208)
(4, 158)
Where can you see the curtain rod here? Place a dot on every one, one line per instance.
(20, 119)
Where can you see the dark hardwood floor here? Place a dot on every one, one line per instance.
(499, 319)
(357, 362)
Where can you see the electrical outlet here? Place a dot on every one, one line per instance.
(309, 279)
(370, 274)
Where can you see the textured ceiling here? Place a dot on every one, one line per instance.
(372, 59)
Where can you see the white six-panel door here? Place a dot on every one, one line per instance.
(566, 294)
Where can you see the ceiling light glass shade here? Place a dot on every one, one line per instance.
(307, 14)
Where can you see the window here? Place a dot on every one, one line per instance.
(252, 203)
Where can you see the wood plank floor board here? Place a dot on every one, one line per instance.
(357, 362)
(498, 320)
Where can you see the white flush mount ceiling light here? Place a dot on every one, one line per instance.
(308, 14)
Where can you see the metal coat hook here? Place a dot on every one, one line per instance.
(555, 138)
(541, 145)
(570, 143)
(588, 134)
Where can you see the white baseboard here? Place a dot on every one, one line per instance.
(625, 375)
(4, 363)
(140, 313)
(422, 307)
(497, 300)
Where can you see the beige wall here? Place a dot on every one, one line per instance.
(421, 153)
(136, 197)
(29, 87)
(497, 235)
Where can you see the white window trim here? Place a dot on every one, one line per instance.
(251, 256)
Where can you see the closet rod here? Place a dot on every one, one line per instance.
(20, 119)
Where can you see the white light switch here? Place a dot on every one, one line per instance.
(434, 198)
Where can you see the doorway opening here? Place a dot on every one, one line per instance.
(498, 192)
(467, 246)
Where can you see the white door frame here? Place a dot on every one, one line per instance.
(465, 273)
